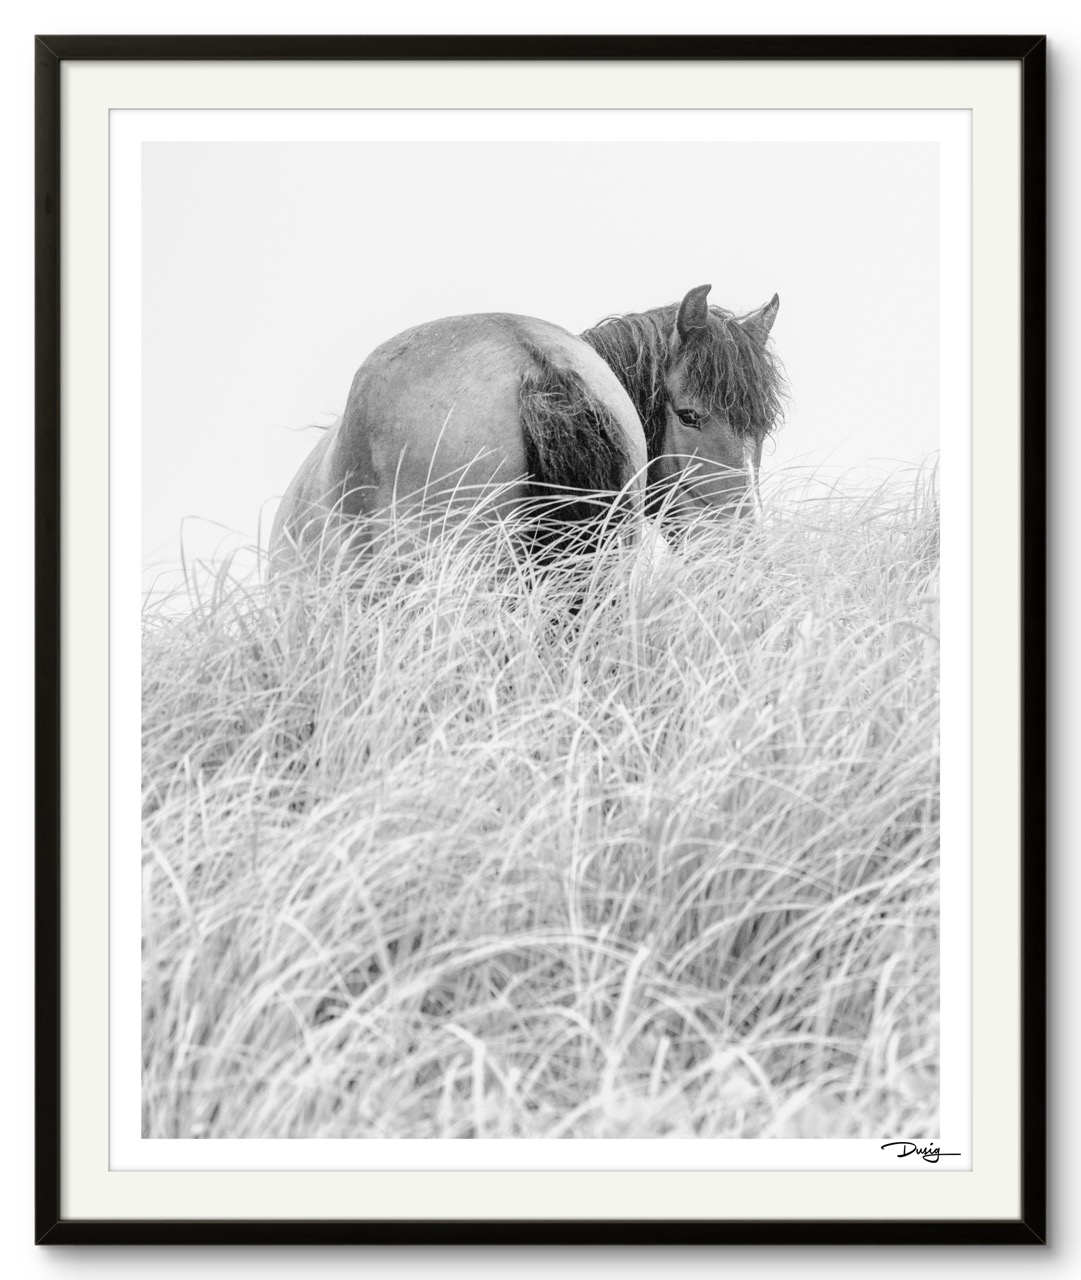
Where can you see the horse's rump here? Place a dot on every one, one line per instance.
(472, 419)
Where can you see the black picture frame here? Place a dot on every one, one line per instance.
(51, 52)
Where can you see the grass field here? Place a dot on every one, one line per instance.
(430, 858)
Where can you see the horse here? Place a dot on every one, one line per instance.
(666, 408)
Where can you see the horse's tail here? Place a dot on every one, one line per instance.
(574, 444)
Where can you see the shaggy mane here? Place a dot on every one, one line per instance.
(730, 369)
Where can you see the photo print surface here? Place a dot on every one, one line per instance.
(562, 758)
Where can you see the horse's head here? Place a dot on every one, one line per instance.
(723, 397)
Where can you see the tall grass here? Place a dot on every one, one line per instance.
(461, 850)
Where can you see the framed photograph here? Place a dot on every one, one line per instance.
(541, 639)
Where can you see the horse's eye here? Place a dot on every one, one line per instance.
(689, 417)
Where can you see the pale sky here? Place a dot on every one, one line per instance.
(270, 270)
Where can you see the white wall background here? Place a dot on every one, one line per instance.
(270, 270)
(1060, 18)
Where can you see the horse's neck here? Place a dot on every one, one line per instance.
(635, 348)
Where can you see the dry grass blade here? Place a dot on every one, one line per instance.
(643, 844)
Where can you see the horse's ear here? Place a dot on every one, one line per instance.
(761, 321)
(693, 314)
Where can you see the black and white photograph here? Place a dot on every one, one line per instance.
(541, 635)
(539, 615)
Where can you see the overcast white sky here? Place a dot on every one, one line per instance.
(270, 270)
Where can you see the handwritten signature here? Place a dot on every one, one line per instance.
(930, 1153)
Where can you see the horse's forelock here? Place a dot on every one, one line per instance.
(730, 367)
(726, 366)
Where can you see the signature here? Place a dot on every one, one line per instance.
(929, 1153)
